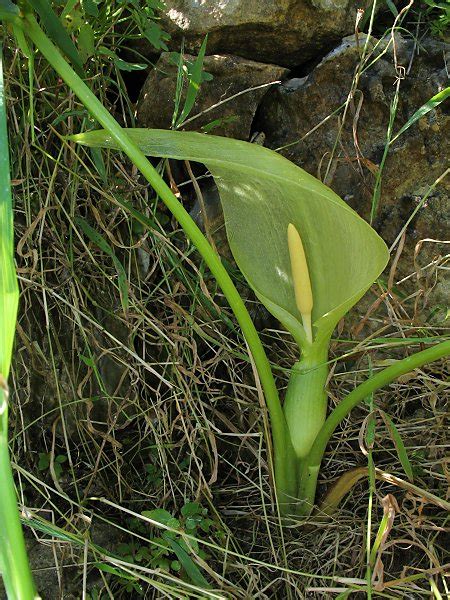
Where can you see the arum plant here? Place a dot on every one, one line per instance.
(308, 257)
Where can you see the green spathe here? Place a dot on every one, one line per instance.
(261, 193)
(305, 404)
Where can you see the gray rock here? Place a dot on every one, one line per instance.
(415, 160)
(231, 75)
(284, 32)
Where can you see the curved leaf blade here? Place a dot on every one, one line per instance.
(58, 34)
(9, 290)
(101, 243)
(8, 10)
(261, 193)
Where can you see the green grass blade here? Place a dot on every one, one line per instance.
(99, 241)
(188, 565)
(9, 292)
(194, 84)
(399, 445)
(376, 196)
(57, 33)
(178, 87)
(422, 111)
(13, 558)
(8, 10)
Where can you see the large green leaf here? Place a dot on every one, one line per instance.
(261, 193)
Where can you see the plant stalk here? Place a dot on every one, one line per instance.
(284, 458)
(305, 405)
(14, 566)
(311, 465)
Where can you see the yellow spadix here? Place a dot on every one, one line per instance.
(300, 277)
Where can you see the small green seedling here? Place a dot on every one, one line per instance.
(45, 463)
(169, 550)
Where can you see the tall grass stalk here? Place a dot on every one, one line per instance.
(13, 557)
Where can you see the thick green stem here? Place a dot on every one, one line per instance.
(13, 556)
(311, 465)
(283, 453)
(305, 405)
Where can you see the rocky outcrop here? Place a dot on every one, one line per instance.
(283, 32)
(227, 101)
(303, 116)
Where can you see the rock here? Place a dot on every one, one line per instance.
(231, 75)
(289, 114)
(284, 32)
